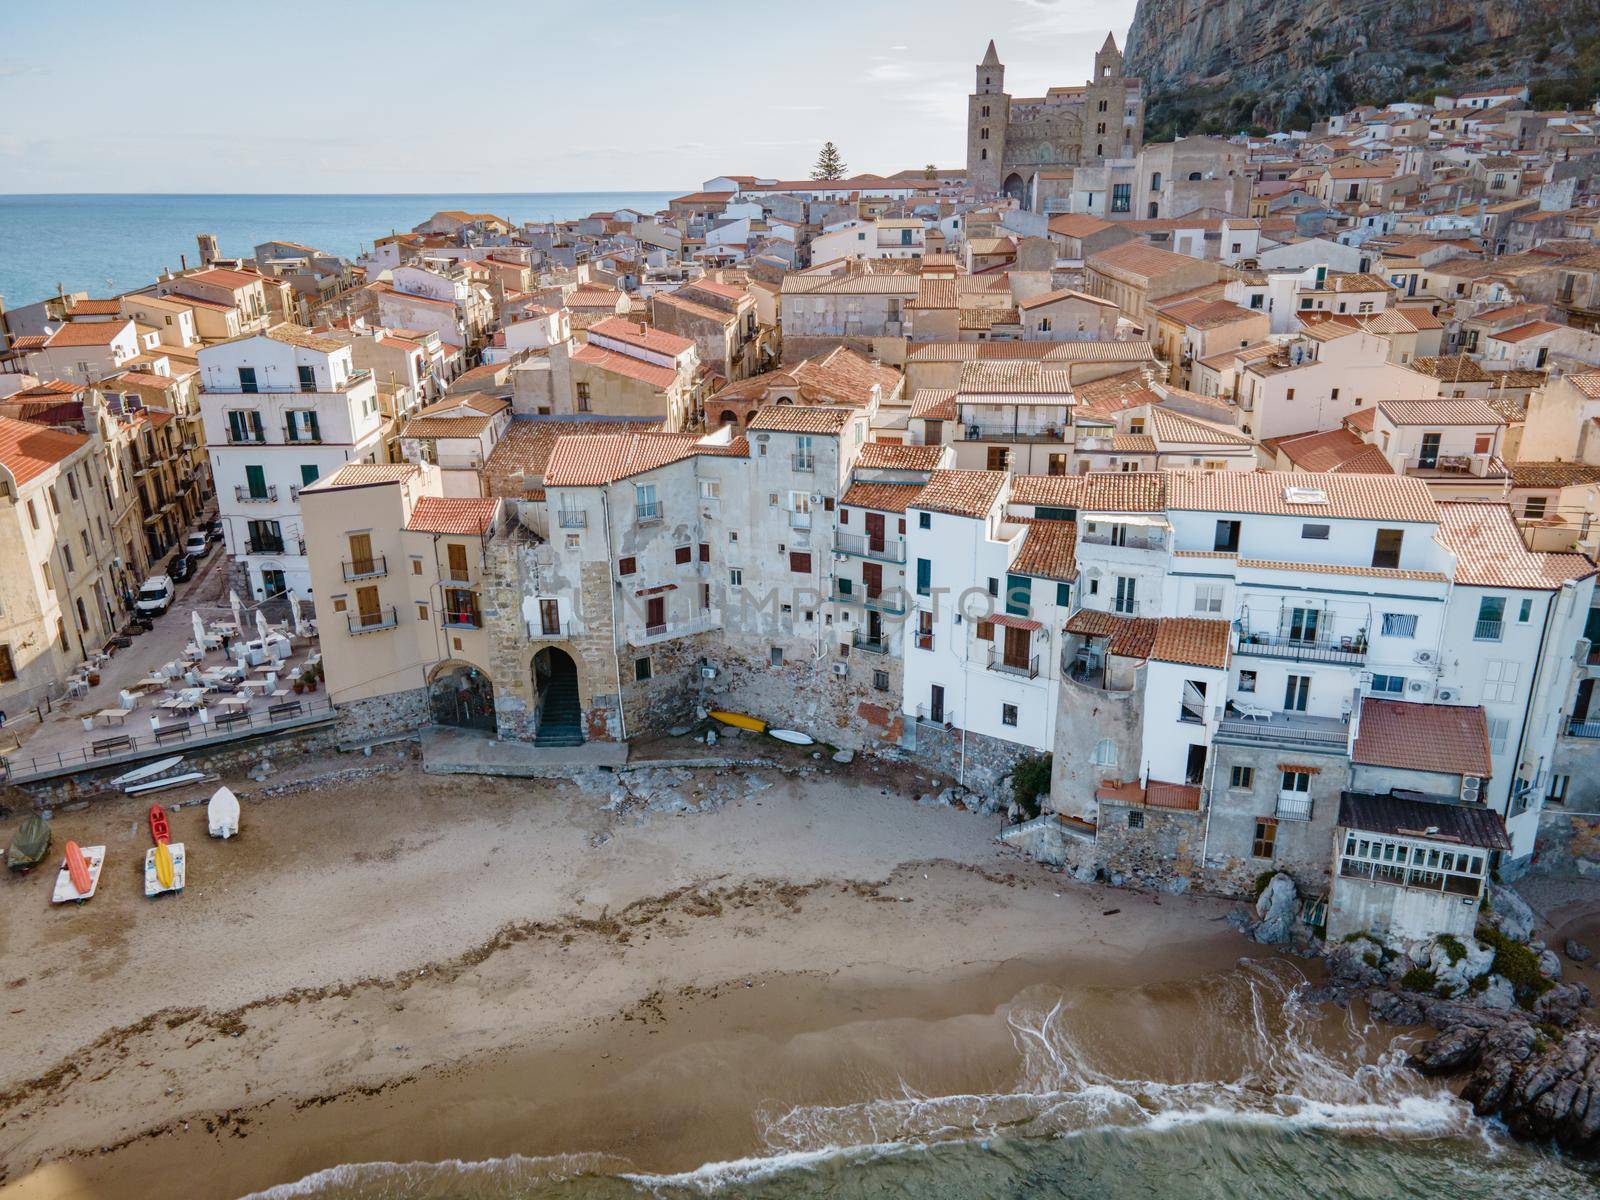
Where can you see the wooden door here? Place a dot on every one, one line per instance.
(872, 578)
(875, 532)
(655, 612)
(367, 605)
(549, 617)
(458, 561)
(1017, 642)
(360, 553)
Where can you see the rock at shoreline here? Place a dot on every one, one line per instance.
(1450, 1051)
(1510, 914)
(1275, 912)
(1499, 994)
(1576, 951)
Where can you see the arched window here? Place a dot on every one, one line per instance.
(984, 157)
(1105, 753)
(1100, 150)
(1155, 181)
(983, 135)
(1194, 176)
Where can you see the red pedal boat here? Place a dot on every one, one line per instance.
(77, 869)
(158, 825)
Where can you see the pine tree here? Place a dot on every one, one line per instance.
(829, 164)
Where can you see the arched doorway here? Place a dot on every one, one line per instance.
(462, 696)
(1016, 189)
(728, 417)
(555, 679)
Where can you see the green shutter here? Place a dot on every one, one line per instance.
(255, 480)
(924, 576)
(1019, 595)
(1063, 595)
(308, 474)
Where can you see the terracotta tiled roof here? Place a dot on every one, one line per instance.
(1391, 814)
(86, 333)
(1207, 314)
(618, 363)
(28, 451)
(1192, 642)
(1133, 443)
(880, 497)
(1490, 551)
(1112, 394)
(645, 337)
(1452, 368)
(1552, 474)
(1016, 379)
(445, 427)
(1262, 564)
(518, 459)
(94, 308)
(1588, 383)
(1439, 412)
(934, 404)
(1450, 739)
(1141, 260)
(1049, 551)
(1078, 225)
(298, 335)
(1523, 332)
(1063, 294)
(222, 277)
(1362, 497)
(1170, 426)
(961, 493)
(362, 474)
(468, 516)
(1129, 637)
(1129, 351)
(892, 457)
(803, 418)
(587, 460)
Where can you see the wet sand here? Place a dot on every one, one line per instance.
(403, 967)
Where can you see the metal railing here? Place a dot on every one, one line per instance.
(647, 514)
(872, 645)
(1293, 806)
(366, 568)
(804, 462)
(251, 437)
(655, 630)
(267, 546)
(1002, 433)
(1028, 669)
(371, 622)
(1583, 729)
(572, 518)
(1283, 734)
(244, 495)
(295, 389)
(1488, 631)
(462, 618)
(1127, 541)
(540, 631)
(885, 549)
(1269, 645)
(301, 437)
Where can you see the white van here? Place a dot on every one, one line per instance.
(155, 596)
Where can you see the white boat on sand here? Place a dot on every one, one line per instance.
(222, 813)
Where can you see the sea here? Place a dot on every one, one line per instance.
(1267, 1097)
(109, 243)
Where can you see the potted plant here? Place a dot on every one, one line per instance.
(94, 678)
(298, 686)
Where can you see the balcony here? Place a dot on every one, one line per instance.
(366, 568)
(647, 514)
(800, 521)
(543, 631)
(462, 618)
(868, 643)
(1488, 631)
(804, 462)
(244, 495)
(572, 518)
(884, 549)
(246, 437)
(294, 389)
(1583, 729)
(651, 631)
(1293, 806)
(1021, 668)
(1291, 729)
(1125, 538)
(301, 437)
(1349, 651)
(890, 602)
(1012, 433)
(372, 620)
(266, 546)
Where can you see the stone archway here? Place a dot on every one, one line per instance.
(1015, 188)
(560, 706)
(462, 696)
(728, 417)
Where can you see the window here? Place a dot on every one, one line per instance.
(983, 630)
(1556, 793)
(627, 566)
(1135, 819)
(880, 681)
(646, 506)
(1126, 599)
(72, 485)
(1227, 538)
(735, 576)
(924, 576)
(1266, 838)
(800, 562)
(996, 458)
(1386, 547)
(1388, 685)
(583, 397)
(247, 379)
(1315, 533)
(1242, 778)
(1155, 181)
(308, 378)
(1063, 595)
(1247, 681)
(924, 520)
(710, 489)
(33, 515)
(1019, 595)
(1121, 197)
(775, 656)
(1524, 612)
(1533, 508)
(1192, 704)
(1105, 753)
(705, 551)
(1296, 692)
(1208, 598)
(642, 670)
(1491, 619)
(8, 668)
(1400, 625)
(1008, 715)
(683, 554)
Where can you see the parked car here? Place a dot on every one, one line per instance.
(155, 596)
(197, 544)
(183, 568)
(214, 529)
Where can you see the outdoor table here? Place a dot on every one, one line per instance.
(109, 715)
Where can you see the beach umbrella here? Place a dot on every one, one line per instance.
(238, 610)
(199, 631)
(294, 614)
(261, 625)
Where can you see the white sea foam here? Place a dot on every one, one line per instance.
(489, 1177)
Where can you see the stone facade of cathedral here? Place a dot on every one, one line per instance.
(1012, 140)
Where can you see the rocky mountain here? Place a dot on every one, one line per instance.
(1219, 66)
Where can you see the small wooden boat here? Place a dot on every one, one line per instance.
(160, 831)
(222, 814)
(78, 869)
(30, 845)
(740, 721)
(793, 736)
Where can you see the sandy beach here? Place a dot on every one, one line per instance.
(404, 967)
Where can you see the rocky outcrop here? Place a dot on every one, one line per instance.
(1223, 65)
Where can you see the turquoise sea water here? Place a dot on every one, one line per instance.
(105, 244)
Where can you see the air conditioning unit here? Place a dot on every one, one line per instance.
(1423, 656)
(708, 672)
(1416, 685)
(1471, 788)
(840, 669)
(1447, 694)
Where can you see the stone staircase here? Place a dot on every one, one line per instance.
(561, 717)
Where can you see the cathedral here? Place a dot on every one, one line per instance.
(1011, 140)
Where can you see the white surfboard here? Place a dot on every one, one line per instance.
(792, 736)
(146, 771)
(222, 814)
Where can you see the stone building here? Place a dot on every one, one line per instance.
(1013, 140)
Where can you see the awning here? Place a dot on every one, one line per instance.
(665, 587)
(1011, 622)
(1150, 520)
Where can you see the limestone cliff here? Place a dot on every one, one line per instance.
(1223, 65)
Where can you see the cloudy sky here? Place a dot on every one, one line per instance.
(503, 96)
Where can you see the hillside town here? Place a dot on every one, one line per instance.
(1253, 480)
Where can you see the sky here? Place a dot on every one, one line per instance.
(498, 96)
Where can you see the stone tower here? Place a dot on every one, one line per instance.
(1113, 116)
(988, 113)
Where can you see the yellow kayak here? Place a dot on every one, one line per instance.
(741, 721)
(164, 865)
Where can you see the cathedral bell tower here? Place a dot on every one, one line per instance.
(988, 113)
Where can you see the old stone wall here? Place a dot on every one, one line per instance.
(1302, 849)
(979, 762)
(383, 716)
(1568, 843)
(1152, 847)
(1086, 716)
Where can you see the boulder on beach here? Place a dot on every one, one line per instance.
(1275, 912)
(1510, 914)
(1576, 950)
